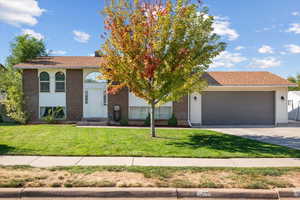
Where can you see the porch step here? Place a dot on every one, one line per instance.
(196, 125)
(94, 119)
(93, 123)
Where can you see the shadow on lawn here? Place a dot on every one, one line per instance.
(4, 149)
(234, 144)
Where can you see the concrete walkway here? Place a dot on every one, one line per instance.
(51, 161)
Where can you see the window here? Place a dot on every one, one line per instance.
(44, 82)
(86, 97)
(290, 102)
(164, 112)
(104, 98)
(59, 82)
(58, 112)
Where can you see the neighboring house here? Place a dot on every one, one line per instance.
(2, 67)
(294, 105)
(2, 97)
(232, 98)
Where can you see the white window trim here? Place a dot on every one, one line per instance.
(44, 82)
(60, 81)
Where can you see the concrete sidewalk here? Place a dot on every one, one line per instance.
(52, 161)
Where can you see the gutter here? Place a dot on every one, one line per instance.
(189, 118)
(263, 86)
(55, 67)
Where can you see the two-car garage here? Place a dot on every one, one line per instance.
(238, 108)
(240, 98)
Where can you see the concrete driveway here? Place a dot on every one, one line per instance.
(285, 136)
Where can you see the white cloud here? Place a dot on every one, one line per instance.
(295, 28)
(33, 34)
(222, 27)
(20, 12)
(227, 59)
(292, 48)
(266, 49)
(80, 36)
(238, 48)
(296, 13)
(58, 52)
(265, 63)
(267, 28)
(283, 53)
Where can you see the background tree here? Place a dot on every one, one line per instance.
(296, 80)
(158, 49)
(23, 48)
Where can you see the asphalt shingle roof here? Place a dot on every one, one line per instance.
(232, 78)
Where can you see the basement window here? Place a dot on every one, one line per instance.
(58, 112)
(141, 113)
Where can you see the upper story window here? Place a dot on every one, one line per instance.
(44, 82)
(59, 82)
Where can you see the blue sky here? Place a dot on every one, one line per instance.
(262, 35)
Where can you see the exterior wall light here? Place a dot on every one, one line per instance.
(195, 98)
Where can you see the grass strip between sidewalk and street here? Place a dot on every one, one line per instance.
(179, 177)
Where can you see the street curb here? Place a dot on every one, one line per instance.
(148, 193)
(289, 193)
(10, 192)
(228, 193)
(99, 192)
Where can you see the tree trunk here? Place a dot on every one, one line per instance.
(152, 120)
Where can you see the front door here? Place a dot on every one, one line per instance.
(95, 105)
(195, 110)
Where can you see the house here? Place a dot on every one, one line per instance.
(2, 68)
(70, 82)
(294, 105)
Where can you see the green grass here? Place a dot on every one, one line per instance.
(70, 140)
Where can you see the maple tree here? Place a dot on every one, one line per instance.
(158, 49)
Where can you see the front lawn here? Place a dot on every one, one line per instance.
(70, 140)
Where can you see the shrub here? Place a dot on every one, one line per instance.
(147, 120)
(124, 122)
(14, 103)
(172, 121)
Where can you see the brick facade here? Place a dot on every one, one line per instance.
(121, 99)
(31, 93)
(74, 99)
(180, 109)
(74, 94)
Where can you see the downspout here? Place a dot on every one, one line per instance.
(189, 120)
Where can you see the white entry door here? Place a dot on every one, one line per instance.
(195, 108)
(95, 105)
